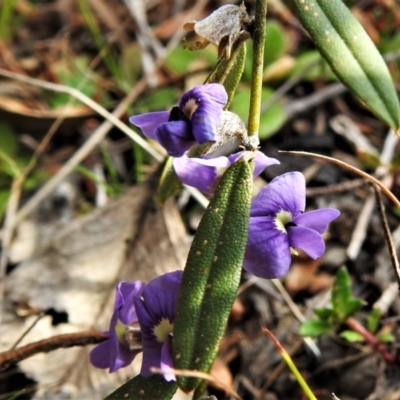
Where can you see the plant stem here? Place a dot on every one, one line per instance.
(371, 340)
(258, 64)
(289, 362)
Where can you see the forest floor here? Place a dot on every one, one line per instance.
(77, 195)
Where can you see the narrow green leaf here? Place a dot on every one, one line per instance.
(8, 140)
(169, 184)
(212, 273)
(271, 119)
(352, 55)
(229, 72)
(315, 328)
(324, 313)
(343, 302)
(386, 337)
(373, 319)
(352, 336)
(139, 388)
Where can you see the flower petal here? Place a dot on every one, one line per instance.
(193, 172)
(125, 293)
(261, 162)
(317, 220)
(160, 296)
(267, 252)
(166, 361)
(149, 122)
(100, 355)
(285, 192)
(308, 240)
(158, 301)
(175, 137)
(112, 354)
(203, 105)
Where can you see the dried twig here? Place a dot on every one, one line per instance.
(388, 235)
(10, 357)
(349, 167)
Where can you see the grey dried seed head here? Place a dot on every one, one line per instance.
(233, 135)
(222, 28)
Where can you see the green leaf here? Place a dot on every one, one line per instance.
(276, 42)
(343, 302)
(169, 184)
(4, 196)
(271, 119)
(139, 388)
(315, 328)
(229, 72)
(212, 273)
(180, 60)
(313, 66)
(324, 313)
(352, 336)
(373, 319)
(386, 337)
(158, 100)
(8, 140)
(352, 55)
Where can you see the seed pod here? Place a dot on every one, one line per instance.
(222, 28)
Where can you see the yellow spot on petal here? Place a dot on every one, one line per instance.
(162, 330)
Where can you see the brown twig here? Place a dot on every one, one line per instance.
(388, 235)
(335, 187)
(10, 357)
(349, 167)
(370, 339)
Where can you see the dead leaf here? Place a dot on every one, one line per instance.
(132, 238)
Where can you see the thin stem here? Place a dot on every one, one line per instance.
(349, 167)
(306, 389)
(258, 64)
(46, 345)
(388, 235)
(371, 340)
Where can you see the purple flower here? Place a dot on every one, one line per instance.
(150, 311)
(156, 309)
(195, 120)
(115, 352)
(204, 173)
(278, 224)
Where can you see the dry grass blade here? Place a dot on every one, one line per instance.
(388, 236)
(349, 167)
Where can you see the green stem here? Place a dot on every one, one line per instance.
(289, 362)
(258, 64)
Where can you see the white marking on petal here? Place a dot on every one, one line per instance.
(162, 330)
(190, 108)
(281, 219)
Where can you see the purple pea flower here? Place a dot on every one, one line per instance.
(195, 120)
(156, 309)
(116, 352)
(150, 311)
(204, 173)
(278, 224)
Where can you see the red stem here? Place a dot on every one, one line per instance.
(371, 340)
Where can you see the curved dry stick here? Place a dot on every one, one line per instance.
(53, 343)
(388, 235)
(349, 167)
